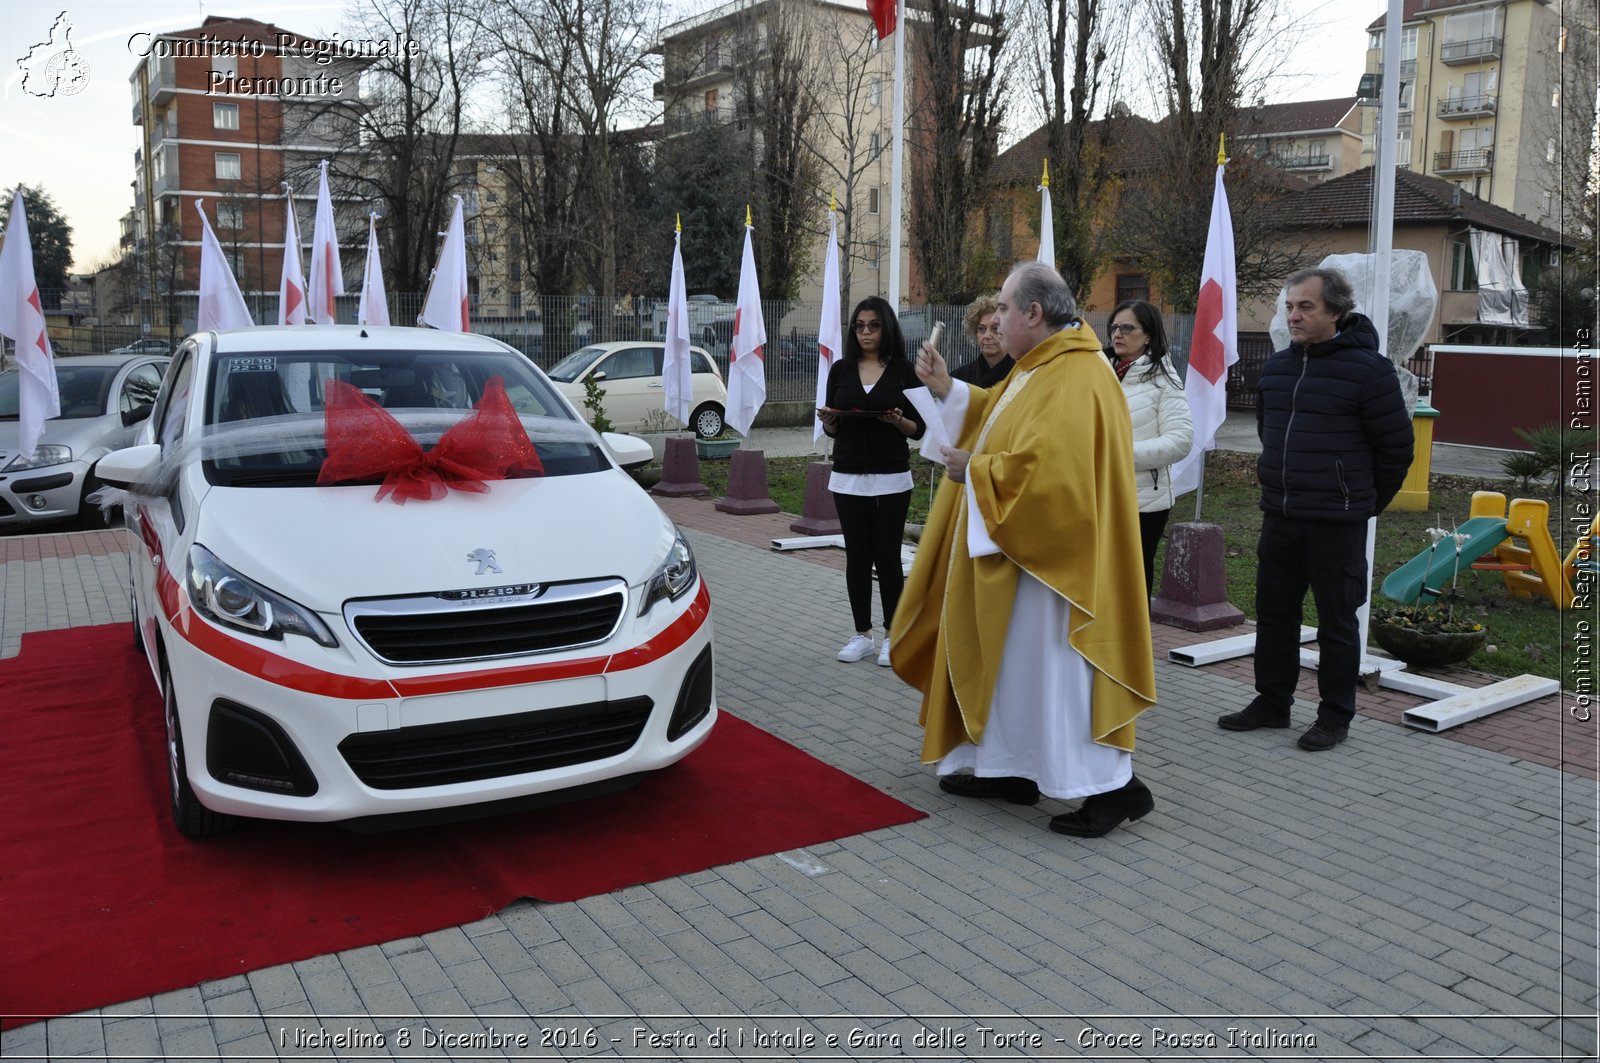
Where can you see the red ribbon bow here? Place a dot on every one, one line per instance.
(365, 441)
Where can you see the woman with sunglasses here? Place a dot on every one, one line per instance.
(1162, 430)
(870, 419)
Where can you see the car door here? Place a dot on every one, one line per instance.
(705, 382)
(633, 386)
(135, 397)
(157, 522)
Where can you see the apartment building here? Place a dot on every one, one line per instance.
(1497, 98)
(227, 111)
(852, 77)
(1316, 140)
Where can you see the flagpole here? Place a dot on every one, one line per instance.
(898, 141)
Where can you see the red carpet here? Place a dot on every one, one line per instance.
(103, 901)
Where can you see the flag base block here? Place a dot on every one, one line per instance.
(747, 485)
(680, 470)
(1194, 581)
(820, 516)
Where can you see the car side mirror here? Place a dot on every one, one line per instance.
(137, 414)
(128, 466)
(597, 377)
(628, 450)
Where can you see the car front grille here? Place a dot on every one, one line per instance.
(493, 622)
(444, 753)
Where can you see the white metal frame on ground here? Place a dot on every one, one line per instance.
(1453, 706)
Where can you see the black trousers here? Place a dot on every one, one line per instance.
(873, 527)
(1151, 525)
(1331, 560)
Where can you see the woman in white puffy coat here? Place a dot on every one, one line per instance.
(1162, 431)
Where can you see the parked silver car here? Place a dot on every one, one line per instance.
(104, 399)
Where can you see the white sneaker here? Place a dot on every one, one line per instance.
(883, 654)
(859, 647)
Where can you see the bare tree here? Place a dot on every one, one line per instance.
(1076, 56)
(848, 90)
(954, 134)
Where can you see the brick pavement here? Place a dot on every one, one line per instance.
(1407, 895)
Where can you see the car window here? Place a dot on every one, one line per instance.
(250, 386)
(628, 364)
(140, 388)
(575, 364)
(173, 411)
(84, 389)
(700, 362)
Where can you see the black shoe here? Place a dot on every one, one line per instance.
(1102, 813)
(1252, 716)
(1016, 790)
(1322, 736)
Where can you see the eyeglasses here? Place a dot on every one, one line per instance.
(1115, 329)
(867, 326)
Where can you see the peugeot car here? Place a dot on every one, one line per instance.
(384, 575)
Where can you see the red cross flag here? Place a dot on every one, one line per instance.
(292, 282)
(22, 321)
(1215, 346)
(747, 374)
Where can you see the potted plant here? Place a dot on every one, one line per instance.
(721, 446)
(1428, 633)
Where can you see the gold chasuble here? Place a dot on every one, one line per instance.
(1052, 474)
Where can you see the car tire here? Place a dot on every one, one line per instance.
(707, 420)
(193, 819)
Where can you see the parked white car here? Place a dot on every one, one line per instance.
(634, 401)
(104, 400)
(144, 345)
(325, 656)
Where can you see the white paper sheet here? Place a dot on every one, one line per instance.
(936, 435)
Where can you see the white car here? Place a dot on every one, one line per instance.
(326, 656)
(634, 401)
(145, 345)
(105, 399)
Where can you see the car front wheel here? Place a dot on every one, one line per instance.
(193, 819)
(707, 421)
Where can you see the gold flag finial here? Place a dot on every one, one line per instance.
(679, 228)
(1045, 180)
(748, 223)
(833, 202)
(1222, 149)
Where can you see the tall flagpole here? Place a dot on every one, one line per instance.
(898, 135)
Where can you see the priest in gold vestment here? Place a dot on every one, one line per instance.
(1025, 622)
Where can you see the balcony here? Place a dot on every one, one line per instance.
(1302, 162)
(1408, 70)
(1471, 51)
(1477, 160)
(162, 87)
(1466, 106)
(1403, 120)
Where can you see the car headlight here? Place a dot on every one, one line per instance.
(221, 594)
(44, 454)
(674, 578)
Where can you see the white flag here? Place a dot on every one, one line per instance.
(221, 303)
(1215, 346)
(676, 382)
(830, 340)
(327, 276)
(747, 375)
(446, 306)
(374, 308)
(22, 321)
(292, 282)
(1047, 223)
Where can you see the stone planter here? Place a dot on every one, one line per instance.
(1428, 649)
(716, 448)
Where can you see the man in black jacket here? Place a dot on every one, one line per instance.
(1335, 446)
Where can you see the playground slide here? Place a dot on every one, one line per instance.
(1434, 568)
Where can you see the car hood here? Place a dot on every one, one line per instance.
(323, 545)
(84, 435)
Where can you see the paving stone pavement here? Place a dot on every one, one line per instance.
(1404, 896)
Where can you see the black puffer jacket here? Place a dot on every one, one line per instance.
(1335, 436)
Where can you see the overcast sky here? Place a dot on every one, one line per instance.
(80, 147)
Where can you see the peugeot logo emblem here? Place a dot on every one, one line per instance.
(485, 561)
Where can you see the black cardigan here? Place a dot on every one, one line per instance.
(866, 444)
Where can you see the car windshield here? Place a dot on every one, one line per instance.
(426, 390)
(83, 390)
(573, 365)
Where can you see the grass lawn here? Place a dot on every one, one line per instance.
(1525, 635)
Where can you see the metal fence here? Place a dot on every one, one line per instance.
(549, 329)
